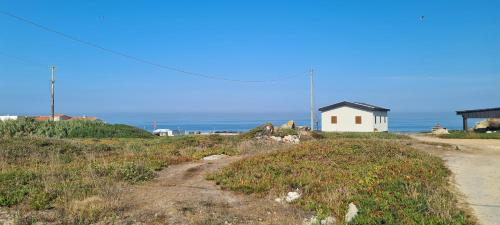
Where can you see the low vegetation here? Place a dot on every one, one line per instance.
(80, 181)
(470, 135)
(388, 181)
(69, 129)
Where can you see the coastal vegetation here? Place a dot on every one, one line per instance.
(69, 129)
(390, 182)
(55, 177)
(64, 177)
(470, 135)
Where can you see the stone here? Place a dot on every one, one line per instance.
(278, 139)
(311, 221)
(328, 220)
(292, 196)
(487, 125)
(294, 139)
(289, 125)
(352, 212)
(440, 131)
(214, 157)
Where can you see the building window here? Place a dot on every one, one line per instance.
(385, 119)
(358, 119)
(375, 119)
(380, 119)
(334, 119)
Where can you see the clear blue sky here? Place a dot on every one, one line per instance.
(378, 52)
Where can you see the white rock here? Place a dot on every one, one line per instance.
(292, 196)
(278, 139)
(489, 132)
(294, 139)
(352, 212)
(214, 157)
(278, 200)
(328, 220)
(311, 221)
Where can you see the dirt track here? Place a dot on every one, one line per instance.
(476, 168)
(182, 195)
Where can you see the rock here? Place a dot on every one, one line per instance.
(278, 139)
(438, 130)
(328, 220)
(352, 212)
(214, 157)
(314, 220)
(289, 125)
(294, 139)
(292, 196)
(311, 221)
(278, 200)
(487, 125)
(269, 128)
(489, 132)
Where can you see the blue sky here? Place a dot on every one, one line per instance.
(378, 52)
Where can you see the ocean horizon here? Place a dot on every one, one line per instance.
(240, 122)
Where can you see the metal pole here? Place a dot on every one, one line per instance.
(312, 99)
(52, 93)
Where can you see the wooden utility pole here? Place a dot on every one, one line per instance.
(312, 99)
(52, 93)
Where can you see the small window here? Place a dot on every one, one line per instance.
(334, 119)
(380, 119)
(375, 119)
(358, 119)
(385, 119)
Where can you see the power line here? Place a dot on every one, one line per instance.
(137, 59)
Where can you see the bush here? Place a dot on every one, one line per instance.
(69, 129)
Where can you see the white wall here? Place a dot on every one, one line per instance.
(346, 120)
(4, 118)
(381, 126)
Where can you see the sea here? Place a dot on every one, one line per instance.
(399, 122)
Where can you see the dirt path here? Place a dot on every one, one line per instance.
(476, 167)
(182, 195)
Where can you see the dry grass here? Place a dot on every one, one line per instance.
(81, 181)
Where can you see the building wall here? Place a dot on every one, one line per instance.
(381, 124)
(5, 118)
(346, 120)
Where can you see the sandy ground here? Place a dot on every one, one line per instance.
(476, 169)
(182, 195)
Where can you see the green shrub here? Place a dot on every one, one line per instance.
(470, 135)
(15, 186)
(135, 172)
(69, 129)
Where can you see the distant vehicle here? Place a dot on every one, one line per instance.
(163, 132)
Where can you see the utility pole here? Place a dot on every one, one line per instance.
(312, 99)
(52, 93)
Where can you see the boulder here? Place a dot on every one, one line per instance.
(352, 212)
(440, 131)
(293, 139)
(292, 196)
(289, 125)
(487, 125)
(214, 157)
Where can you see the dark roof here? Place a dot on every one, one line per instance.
(477, 110)
(356, 105)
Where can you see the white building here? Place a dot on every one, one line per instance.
(354, 117)
(5, 118)
(163, 132)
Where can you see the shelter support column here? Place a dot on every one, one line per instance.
(464, 122)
